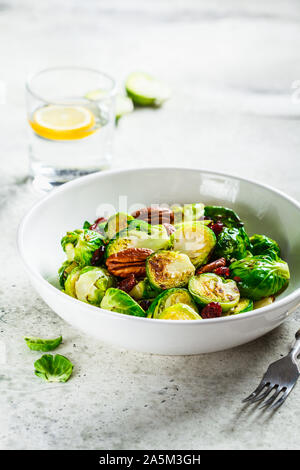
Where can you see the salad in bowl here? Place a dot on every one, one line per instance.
(177, 262)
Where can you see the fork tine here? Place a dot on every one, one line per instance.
(256, 391)
(270, 400)
(282, 399)
(263, 395)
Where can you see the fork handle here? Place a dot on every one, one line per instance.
(295, 351)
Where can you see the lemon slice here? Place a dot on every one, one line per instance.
(61, 122)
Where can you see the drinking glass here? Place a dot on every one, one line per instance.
(71, 117)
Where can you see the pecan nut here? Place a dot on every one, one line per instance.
(209, 268)
(130, 261)
(155, 215)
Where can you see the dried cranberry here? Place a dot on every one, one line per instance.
(97, 256)
(217, 227)
(211, 310)
(128, 283)
(222, 271)
(237, 279)
(98, 221)
(145, 304)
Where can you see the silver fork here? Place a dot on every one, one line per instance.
(280, 377)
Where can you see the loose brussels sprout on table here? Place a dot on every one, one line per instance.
(205, 266)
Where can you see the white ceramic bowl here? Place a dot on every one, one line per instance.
(263, 209)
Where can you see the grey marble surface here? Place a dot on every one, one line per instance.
(231, 65)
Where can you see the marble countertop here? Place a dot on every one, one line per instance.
(233, 67)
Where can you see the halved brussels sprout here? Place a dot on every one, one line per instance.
(167, 269)
(260, 276)
(244, 305)
(80, 245)
(117, 300)
(232, 243)
(64, 271)
(227, 216)
(91, 284)
(139, 234)
(179, 312)
(118, 244)
(261, 244)
(116, 223)
(71, 280)
(195, 240)
(188, 212)
(143, 290)
(264, 302)
(208, 287)
(168, 298)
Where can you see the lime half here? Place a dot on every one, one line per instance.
(146, 90)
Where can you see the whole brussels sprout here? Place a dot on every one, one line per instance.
(232, 243)
(168, 298)
(209, 287)
(188, 212)
(260, 276)
(261, 245)
(119, 301)
(227, 216)
(81, 244)
(92, 283)
(195, 240)
(166, 269)
(179, 312)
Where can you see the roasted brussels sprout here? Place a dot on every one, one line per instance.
(232, 243)
(64, 271)
(117, 300)
(227, 216)
(80, 245)
(143, 290)
(91, 284)
(261, 245)
(260, 276)
(264, 302)
(166, 269)
(244, 305)
(116, 223)
(139, 234)
(195, 240)
(209, 287)
(179, 312)
(188, 212)
(168, 298)
(71, 280)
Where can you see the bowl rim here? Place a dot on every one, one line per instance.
(92, 308)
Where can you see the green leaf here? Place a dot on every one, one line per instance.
(39, 344)
(53, 368)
